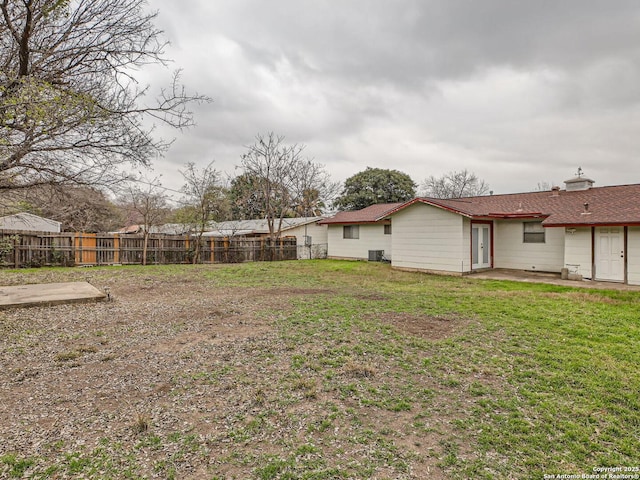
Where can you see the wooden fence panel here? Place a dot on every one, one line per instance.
(27, 250)
(33, 249)
(85, 245)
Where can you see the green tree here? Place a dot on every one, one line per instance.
(311, 204)
(373, 186)
(70, 110)
(245, 196)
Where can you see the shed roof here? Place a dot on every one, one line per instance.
(255, 227)
(614, 205)
(29, 221)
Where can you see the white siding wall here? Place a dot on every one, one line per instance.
(318, 234)
(466, 244)
(510, 251)
(577, 251)
(429, 238)
(372, 237)
(633, 256)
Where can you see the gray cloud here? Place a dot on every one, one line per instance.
(519, 92)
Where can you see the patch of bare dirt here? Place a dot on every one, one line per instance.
(279, 291)
(425, 326)
(371, 297)
(201, 371)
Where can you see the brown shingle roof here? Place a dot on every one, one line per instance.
(616, 205)
(371, 214)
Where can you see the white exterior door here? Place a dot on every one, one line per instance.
(480, 246)
(610, 254)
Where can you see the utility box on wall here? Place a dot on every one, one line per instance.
(375, 255)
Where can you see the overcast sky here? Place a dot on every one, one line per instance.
(519, 92)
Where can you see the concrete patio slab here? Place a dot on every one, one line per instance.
(49, 294)
(552, 278)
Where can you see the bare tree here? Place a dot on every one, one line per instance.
(312, 189)
(455, 185)
(70, 110)
(284, 179)
(147, 204)
(203, 199)
(543, 186)
(78, 208)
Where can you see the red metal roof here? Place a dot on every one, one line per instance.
(371, 214)
(616, 205)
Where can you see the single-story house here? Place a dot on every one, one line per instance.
(311, 235)
(29, 222)
(362, 234)
(589, 231)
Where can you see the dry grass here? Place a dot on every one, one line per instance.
(307, 370)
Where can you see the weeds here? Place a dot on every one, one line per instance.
(140, 424)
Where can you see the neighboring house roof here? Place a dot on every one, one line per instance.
(129, 230)
(255, 227)
(170, 229)
(28, 221)
(371, 214)
(615, 205)
(166, 229)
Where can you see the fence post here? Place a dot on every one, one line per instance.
(116, 248)
(77, 248)
(16, 252)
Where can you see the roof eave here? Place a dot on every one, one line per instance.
(591, 224)
(516, 215)
(356, 222)
(426, 202)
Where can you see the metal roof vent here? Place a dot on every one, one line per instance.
(579, 182)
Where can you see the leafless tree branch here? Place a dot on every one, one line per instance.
(454, 185)
(71, 111)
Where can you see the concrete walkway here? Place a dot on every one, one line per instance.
(49, 294)
(551, 278)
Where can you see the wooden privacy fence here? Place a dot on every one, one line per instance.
(35, 249)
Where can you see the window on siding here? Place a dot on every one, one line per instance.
(533, 232)
(387, 229)
(351, 231)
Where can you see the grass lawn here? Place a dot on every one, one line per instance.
(319, 370)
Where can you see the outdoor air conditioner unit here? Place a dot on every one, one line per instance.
(375, 255)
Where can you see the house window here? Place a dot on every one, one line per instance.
(351, 231)
(387, 229)
(533, 232)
